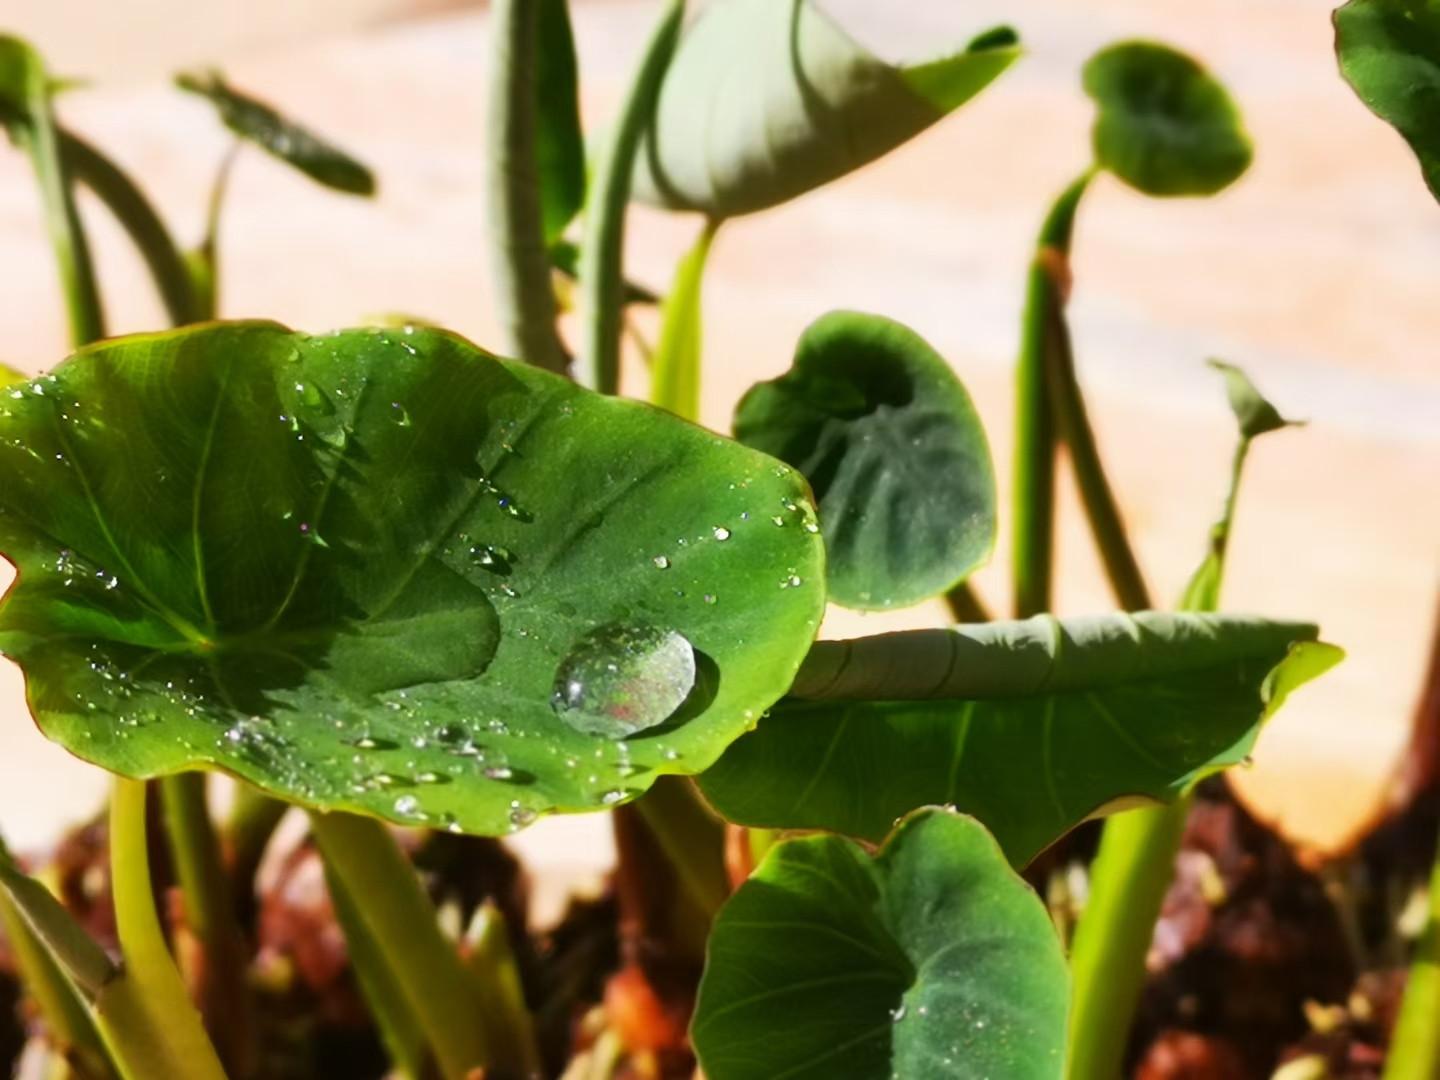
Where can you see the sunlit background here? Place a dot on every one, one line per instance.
(1319, 273)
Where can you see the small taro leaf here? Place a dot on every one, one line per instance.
(1255, 415)
(65, 939)
(767, 99)
(1165, 125)
(1389, 53)
(894, 451)
(1032, 726)
(559, 143)
(347, 568)
(293, 144)
(931, 961)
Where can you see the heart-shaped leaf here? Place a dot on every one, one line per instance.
(767, 99)
(298, 146)
(1389, 53)
(894, 451)
(932, 959)
(363, 571)
(1031, 726)
(1165, 125)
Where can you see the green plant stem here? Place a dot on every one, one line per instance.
(400, 920)
(203, 264)
(1415, 1043)
(512, 1028)
(1128, 881)
(602, 271)
(253, 819)
(675, 363)
(210, 915)
(139, 219)
(144, 1014)
(1033, 494)
(524, 297)
(62, 221)
(692, 837)
(966, 606)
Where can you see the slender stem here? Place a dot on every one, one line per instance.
(1128, 882)
(1033, 495)
(1415, 1043)
(512, 1028)
(602, 272)
(62, 221)
(133, 210)
(524, 297)
(254, 816)
(966, 606)
(675, 364)
(693, 840)
(219, 977)
(400, 920)
(144, 1015)
(203, 264)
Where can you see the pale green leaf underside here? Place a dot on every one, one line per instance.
(767, 99)
(1389, 53)
(894, 451)
(1031, 726)
(347, 567)
(932, 961)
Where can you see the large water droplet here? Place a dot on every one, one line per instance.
(621, 678)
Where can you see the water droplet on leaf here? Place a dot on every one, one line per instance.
(622, 678)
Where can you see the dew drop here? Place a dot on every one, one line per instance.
(399, 414)
(709, 598)
(778, 520)
(407, 805)
(661, 562)
(721, 533)
(621, 678)
(498, 772)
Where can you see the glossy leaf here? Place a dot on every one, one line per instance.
(767, 99)
(348, 568)
(259, 123)
(1389, 53)
(559, 141)
(931, 961)
(895, 453)
(1031, 726)
(1165, 125)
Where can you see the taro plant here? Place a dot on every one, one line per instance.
(388, 577)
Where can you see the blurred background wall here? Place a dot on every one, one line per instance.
(1319, 273)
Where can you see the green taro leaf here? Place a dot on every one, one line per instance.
(1165, 125)
(257, 122)
(931, 961)
(1031, 726)
(767, 99)
(894, 451)
(353, 569)
(1389, 53)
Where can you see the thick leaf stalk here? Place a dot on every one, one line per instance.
(675, 364)
(1415, 1044)
(525, 299)
(602, 271)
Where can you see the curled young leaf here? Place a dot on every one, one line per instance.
(1165, 126)
(298, 146)
(932, 959)
(767, 99)
(380, 571)
(1031, 726)
(1389, 53)
(894, 451)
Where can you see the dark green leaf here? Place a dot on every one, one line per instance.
(298, 146)
(932, 961)
(1165, 125)
(1389, 53)
(349, 569)
(891, 445)
(1255, 415)
(1031, 726)
(559, 142)
(767, 99)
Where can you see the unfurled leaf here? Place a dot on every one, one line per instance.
(1031, 726)
(367, 571)
(1389, 53)
(259, 123)
(1165, 125)
(933, 959)
(767, 99)
(559, 141)
(895, 453)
